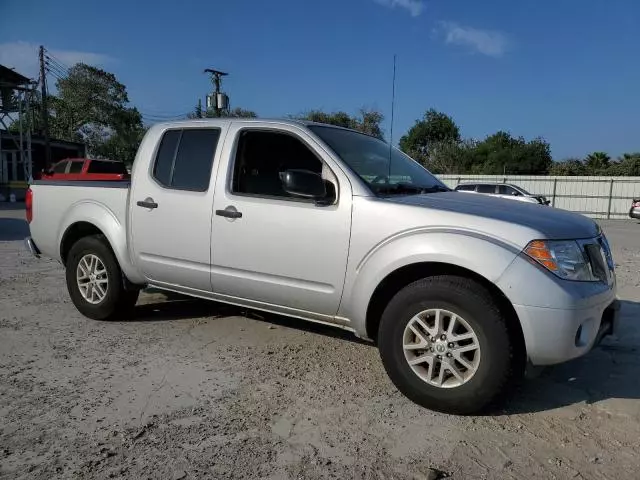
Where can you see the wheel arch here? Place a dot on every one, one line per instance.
(408, 274)
(75, 232)
(89, 218)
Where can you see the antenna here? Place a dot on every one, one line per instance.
(393, 102)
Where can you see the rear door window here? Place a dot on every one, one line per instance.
(466, 188)
(185, 158)
(507, 190)
(486, 189)
(76, 167)
(60, 167)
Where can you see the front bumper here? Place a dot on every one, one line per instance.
(634, 212)
(32, 247)
(560, 319)
(557, 335)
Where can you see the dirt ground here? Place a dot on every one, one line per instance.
(192, 389)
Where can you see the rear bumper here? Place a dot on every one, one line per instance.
(32, 247)
(557, 335)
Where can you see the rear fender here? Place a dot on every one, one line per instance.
(107, 222)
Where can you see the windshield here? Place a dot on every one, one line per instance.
(369, 158)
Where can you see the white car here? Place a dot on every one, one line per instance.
(504, 190)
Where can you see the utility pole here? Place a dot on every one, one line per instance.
(45, 110)
(199, 109)
(218, 101)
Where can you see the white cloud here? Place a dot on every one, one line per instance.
(23, 57)
(414, 7)
(486, 42)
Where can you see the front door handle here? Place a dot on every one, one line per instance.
(147, 203)
(229, 212)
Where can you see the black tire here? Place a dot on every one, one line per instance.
(118, 302)
(471, 301)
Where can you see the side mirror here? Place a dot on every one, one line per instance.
(303, 183)
(515, 194)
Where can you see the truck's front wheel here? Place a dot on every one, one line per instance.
(95, 282)
(445, 344)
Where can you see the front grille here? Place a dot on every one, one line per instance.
(599, 256)
(596, 260)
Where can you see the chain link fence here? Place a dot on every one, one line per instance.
(596, 197)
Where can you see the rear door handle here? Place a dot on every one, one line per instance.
(229, 212)
(147, 203)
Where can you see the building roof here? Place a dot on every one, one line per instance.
(9, 77)
(39, 139)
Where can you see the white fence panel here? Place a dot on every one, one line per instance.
(596, 197)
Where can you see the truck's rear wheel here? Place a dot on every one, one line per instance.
(95, 282)
(446, 345)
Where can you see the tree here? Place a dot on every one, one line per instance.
(124, 138)
(92, 106)
(628, 165)
(568, 167)
(597, 163)
(367, 121)
(449, 157)
(502, 153)
(241, 113)
(212, 113)
(433, 129)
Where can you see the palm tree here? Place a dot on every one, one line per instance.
(597, 161)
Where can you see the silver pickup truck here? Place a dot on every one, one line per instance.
(460, 292)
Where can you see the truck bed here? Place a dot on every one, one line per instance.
(55, 200)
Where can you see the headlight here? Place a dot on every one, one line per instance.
(562, 257)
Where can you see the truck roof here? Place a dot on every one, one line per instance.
(224, 121)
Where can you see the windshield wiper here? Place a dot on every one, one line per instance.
(404, 188)
(435, 189)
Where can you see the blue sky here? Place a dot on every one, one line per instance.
(566, 70)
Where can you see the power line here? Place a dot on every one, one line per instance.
(57, 60)
(55, 70)
(56, 76)
(50, 61)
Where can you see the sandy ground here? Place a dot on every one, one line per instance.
(192, 389)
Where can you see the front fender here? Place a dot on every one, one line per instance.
(482, 254)
(107, 222)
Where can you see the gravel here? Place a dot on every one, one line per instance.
(191, 389)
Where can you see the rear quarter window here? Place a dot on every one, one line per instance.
(99, 166)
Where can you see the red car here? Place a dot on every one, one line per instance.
(86, 169)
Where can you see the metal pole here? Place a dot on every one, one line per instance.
(553, 198)
(29, 98)
(21, 96)
(1, 165)
(45, 110)
(610, 198)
